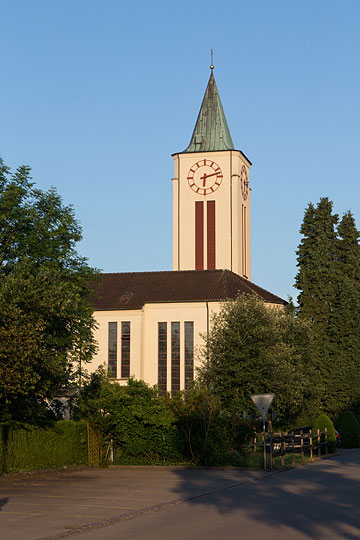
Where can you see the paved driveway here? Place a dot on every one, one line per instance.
(318, 500)
(59, 503)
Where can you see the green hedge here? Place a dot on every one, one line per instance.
(29, 447)
(348, 426)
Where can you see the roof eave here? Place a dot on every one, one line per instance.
(211, 151)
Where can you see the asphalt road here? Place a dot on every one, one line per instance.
(318, 501)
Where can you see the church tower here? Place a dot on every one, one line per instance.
(211, 196)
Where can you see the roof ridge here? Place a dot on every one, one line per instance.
(159, 272)
(250, 286)
(262, 289)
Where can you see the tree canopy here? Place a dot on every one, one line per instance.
(46, 319)
(254, 348)
(328, 281)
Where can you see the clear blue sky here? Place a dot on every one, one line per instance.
(96, 95)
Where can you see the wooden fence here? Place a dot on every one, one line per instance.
(306, 444)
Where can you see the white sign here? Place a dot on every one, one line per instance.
(263, 402)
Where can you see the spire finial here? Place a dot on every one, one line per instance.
(212, 60)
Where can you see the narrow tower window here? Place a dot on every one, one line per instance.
(244, 246)
(199, 235)
(112, 350)
(211, 235)
(162, 357)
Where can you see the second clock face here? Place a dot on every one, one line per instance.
(204, 177)
(244, 179)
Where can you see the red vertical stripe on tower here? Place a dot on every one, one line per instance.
(199, 235)
(244, 238)
(211, 235)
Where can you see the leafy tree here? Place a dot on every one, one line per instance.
(46, 319)
(253, 348)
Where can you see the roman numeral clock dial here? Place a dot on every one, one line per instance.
(244, 179)
(205, 177)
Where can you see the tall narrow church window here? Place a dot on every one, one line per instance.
(199, 235)
(162, 357)
(243, 220)
(189, 353)
(112, 350)
(175, 356)
(125, 349)
(211, 235)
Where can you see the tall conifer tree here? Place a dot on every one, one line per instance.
(315, 281)
(316, 255)
(344, 322)
(329, 283)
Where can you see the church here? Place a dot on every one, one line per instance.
(150, 324)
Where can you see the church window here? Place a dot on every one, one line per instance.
(189, 353)
(112, 350)
(243, 219)
(211, 235)
(162, 357)
(175, 357)
(125, 349)
(199, 235)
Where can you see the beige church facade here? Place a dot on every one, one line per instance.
(150, 324)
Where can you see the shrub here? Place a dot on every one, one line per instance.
(348, 426)
(133, 416)
(147, 428)
(323, 422)
(207, 433)
(202, 433)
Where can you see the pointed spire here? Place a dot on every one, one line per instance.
(211, 131)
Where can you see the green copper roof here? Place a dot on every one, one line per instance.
(211, 131)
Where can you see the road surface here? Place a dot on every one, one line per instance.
(318, 501)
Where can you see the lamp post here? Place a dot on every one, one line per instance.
(262, 402)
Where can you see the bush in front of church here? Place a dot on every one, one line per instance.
(190, 427)
(134, 417)
(206, 433)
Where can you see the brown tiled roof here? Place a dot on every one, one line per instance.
(131, 290)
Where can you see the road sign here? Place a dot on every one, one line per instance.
(262, 401)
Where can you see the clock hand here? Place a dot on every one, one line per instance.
(208, 175)
(204, 178)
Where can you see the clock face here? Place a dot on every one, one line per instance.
(244, 179)
(204, 177)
